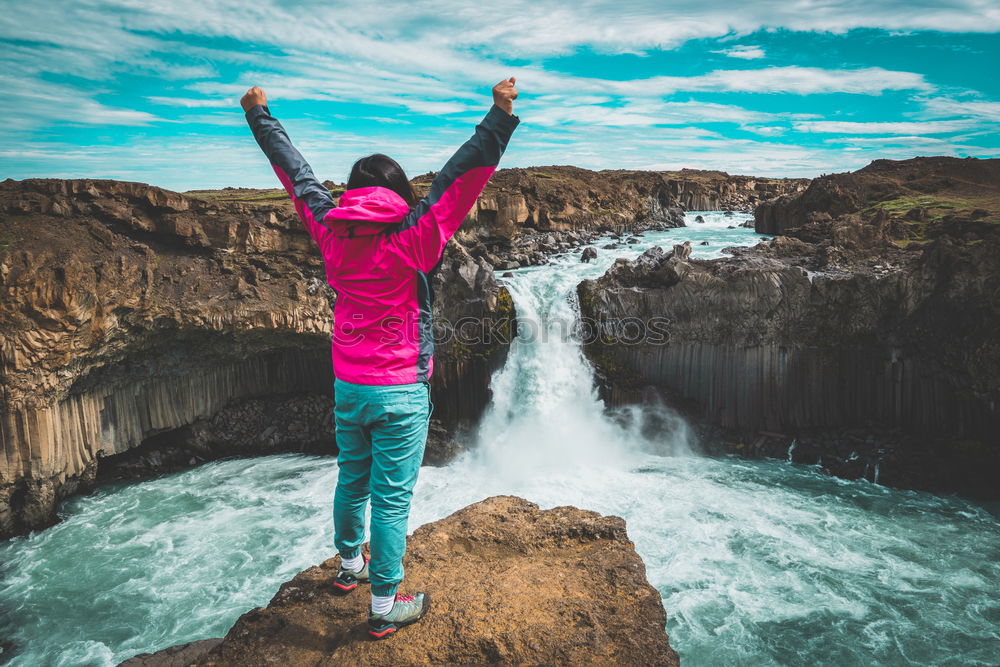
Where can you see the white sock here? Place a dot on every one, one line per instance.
(355, 564)
(382, 604)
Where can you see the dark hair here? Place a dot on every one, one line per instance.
(382, 170)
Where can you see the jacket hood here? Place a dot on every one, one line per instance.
(368, 210)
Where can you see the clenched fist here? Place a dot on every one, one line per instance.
(504, 94)
(256, 96)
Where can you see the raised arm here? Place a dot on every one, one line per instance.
(312, 200)
(425, 231)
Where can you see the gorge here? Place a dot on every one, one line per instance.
(131, 312)
(754, 560)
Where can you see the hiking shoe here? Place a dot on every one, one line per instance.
(406, 609)
(346, 580)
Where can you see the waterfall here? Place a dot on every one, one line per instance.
(546, 415)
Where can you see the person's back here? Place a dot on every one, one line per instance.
(379, 246)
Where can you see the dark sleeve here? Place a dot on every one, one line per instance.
(312, 200)
(425, 231)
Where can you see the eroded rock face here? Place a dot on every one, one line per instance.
(130, 312)
(474, 325)
(870, 356)
(563, 198)
(520, 586)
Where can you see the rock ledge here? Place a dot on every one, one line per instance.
(522, 586)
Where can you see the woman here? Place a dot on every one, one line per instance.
(379, 244)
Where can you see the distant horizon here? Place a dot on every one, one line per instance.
(150, 93)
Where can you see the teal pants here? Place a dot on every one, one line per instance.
(381, 433)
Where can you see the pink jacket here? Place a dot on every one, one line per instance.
(379, 254)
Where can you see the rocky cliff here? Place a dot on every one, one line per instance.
(563, 198)
(874, 359)
(131, 315)
(917, 200)
(521, 587)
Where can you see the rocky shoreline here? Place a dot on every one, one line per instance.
(566, 588)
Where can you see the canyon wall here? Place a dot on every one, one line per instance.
(846, 324)
(130, 313)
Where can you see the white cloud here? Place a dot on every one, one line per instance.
(808, 80)
(192, 103)
(377, 119)
(218, 119)
(905, 127)
(564, 110)
(791, 79)
(435, 108)
(743, 52)
(766, 130)
(897, 147)
(36, 102)
(903, 140)
(937, 107)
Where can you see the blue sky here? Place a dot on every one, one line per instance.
(148, 91)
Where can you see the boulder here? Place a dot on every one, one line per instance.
(588, 254)
(441, 445)
(521, 586)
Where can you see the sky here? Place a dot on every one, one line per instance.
(149, 91)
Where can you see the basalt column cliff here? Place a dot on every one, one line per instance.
(865, 339)
(131, 315)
